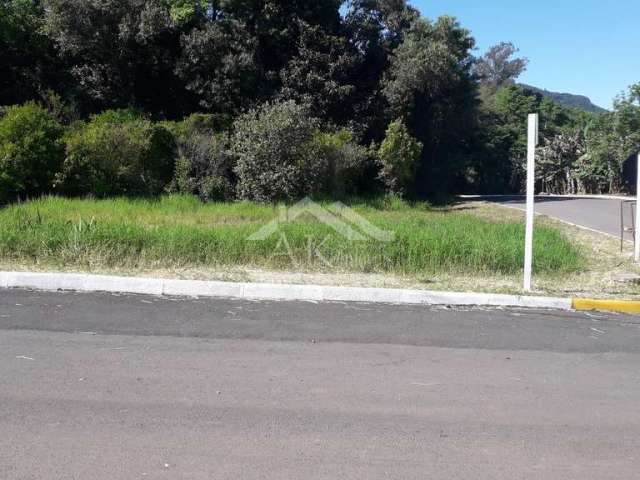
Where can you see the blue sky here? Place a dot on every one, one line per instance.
(584, 47)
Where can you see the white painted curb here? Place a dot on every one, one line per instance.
(263, 291)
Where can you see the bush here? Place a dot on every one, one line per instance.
(117, 153)
(204, 165)
(399, 154)
(344, 162)
(30, 151)
(275, 155)
(198, 123)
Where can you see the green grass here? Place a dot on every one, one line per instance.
(177, 231)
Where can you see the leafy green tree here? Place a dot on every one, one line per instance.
(276, 27)
(121, 53)
(501, 144)
(321, 75)
(429, 86)
(375, 25)
(28, 65)
(218, 64)
(611, 139)
(374, 28)
(189, 11)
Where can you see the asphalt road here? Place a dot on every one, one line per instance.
(121, 387)
(599, 214)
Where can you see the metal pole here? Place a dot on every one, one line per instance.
(637, 225)
(532, 142)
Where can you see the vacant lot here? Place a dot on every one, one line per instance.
(175, 232)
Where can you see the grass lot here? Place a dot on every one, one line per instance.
(177, 232)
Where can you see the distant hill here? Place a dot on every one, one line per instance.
(568, 100)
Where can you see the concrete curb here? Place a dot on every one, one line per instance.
(262, 291)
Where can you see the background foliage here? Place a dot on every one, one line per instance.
(277, 99)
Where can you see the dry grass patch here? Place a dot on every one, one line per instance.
(604, 265)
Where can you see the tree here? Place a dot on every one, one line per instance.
(120, 52)
(499, 165)
(497, 66)
(374, 29)
(352, 66)
(27, 59)
(429, 86)
(500, 162)
(276, 26)
(557, 162)
(204, 164)
(321, 75)
(379, 24)
(612, 138)
(218, 64)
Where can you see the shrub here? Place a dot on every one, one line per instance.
(204, 167)
(198, 123)
(399, 154)
(30, 151)
(274, 152)
(343, 161)
(117, 153)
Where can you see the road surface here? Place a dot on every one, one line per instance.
(600, 214)
(122, 387)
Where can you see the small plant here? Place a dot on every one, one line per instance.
(399, 155)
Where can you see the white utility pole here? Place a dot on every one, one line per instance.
(637, 225)
(532, 142)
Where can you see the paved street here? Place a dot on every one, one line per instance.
(599, 214)
(121, 387)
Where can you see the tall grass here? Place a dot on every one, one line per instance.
(177, 231)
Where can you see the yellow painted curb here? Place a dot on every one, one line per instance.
(620, 306)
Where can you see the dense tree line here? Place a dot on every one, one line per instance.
(276, 99)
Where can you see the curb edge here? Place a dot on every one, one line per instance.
(617, 306)
(265, 291)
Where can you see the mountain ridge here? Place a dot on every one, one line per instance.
(570, 100)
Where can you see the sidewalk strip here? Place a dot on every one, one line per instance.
(263, 291)
(283, 292)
